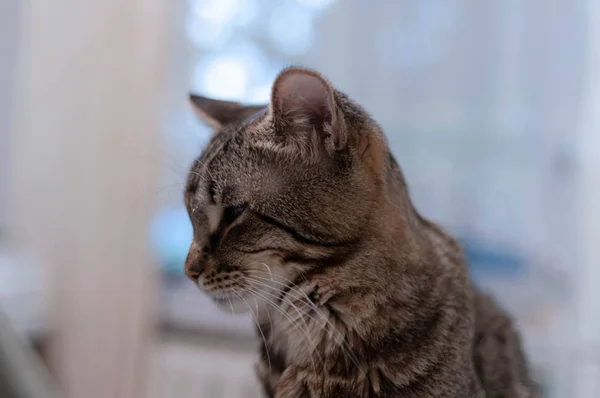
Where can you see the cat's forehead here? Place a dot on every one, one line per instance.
(234, 138)
(225, 158)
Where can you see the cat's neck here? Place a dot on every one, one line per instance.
(404, 266)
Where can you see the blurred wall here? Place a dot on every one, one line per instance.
(9, 18)
(85, 166)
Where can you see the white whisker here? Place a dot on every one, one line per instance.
(259, 329)
(294, 322)
(331, 330)
(270, 272)
(231, 305)
(199, 162)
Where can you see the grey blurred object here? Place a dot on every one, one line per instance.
(22, 374)
(23, 287)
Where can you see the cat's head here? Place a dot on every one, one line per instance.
(282, 190)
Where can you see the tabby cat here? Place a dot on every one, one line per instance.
(302, 216)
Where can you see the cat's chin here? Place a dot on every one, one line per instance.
(233, 305)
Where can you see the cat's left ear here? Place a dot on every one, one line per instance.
(303, 107)
(219, 113)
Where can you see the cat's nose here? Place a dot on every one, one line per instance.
(194, 264)
(193, 272)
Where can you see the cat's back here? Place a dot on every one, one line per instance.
(498, 354)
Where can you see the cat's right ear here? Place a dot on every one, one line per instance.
(219, 113)
(304, 107)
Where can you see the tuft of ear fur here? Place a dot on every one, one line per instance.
(219, 113)
(303, 102)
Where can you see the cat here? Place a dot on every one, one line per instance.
(302, 215)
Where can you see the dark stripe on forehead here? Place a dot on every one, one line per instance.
(219, 145)
(214, 149)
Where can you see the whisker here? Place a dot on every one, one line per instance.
(297, 326)
(270, 272)
(199, 162)
(304, 298)
(259, 329)
(294, 322)
(287, 300)
(272, 303)
(331, 330)
(270, 320)
(231, 305)
(301, 314)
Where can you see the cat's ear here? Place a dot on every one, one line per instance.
(303, 102)
(219, 113)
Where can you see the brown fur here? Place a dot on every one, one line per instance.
(302, 213)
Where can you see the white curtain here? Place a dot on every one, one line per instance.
(89, 90)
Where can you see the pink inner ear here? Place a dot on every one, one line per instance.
(303, 97)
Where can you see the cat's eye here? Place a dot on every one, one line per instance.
(233, 212)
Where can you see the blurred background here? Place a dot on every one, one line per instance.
(491, 108)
